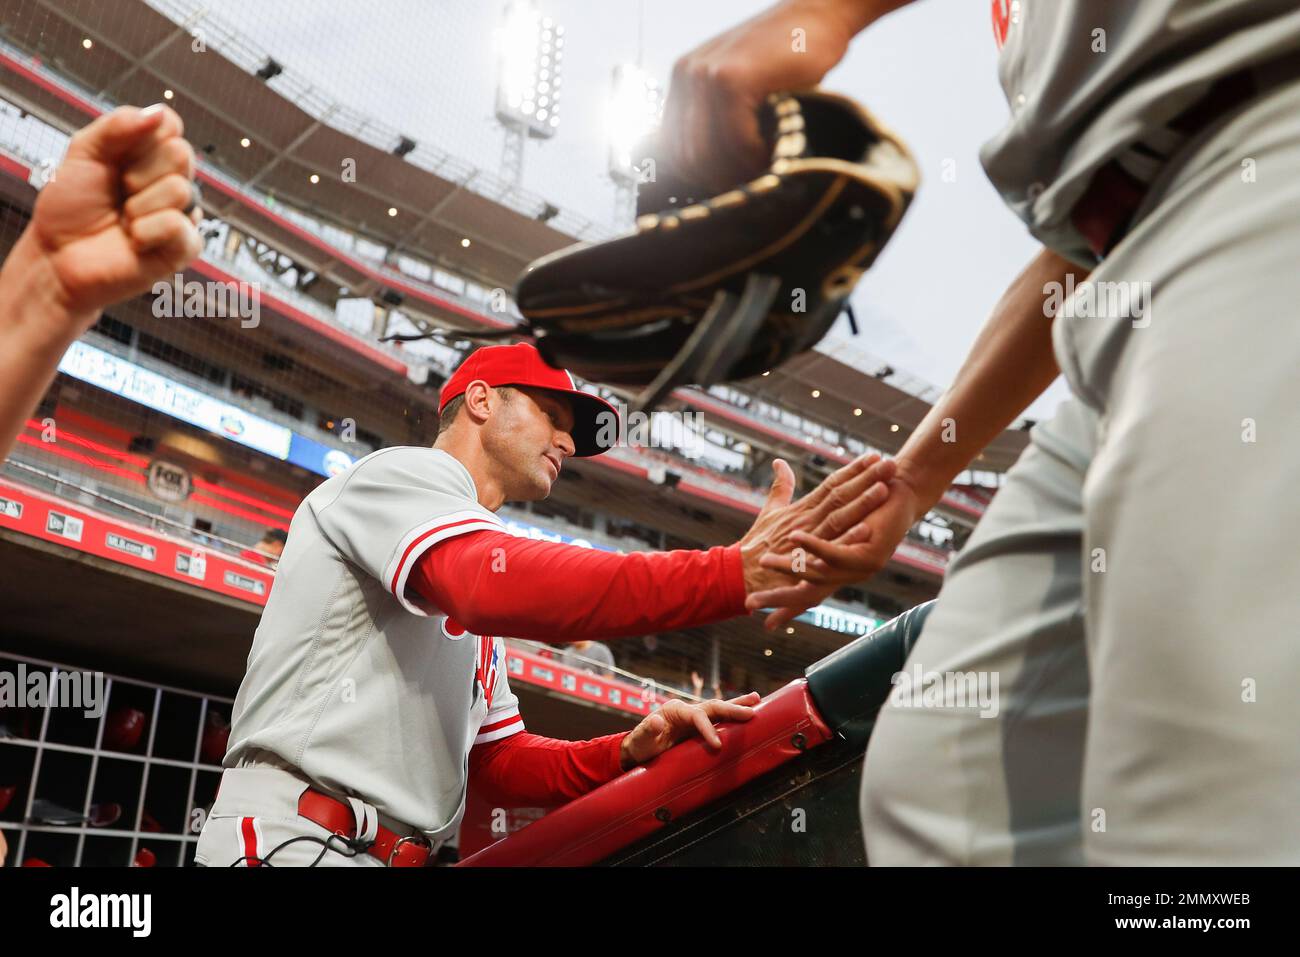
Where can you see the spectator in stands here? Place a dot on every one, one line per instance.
(588, 656)
(268, 550)
(119, 214)
(697, 683)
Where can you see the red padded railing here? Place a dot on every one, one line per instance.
(679, 781)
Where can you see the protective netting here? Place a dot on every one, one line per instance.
(358, 182)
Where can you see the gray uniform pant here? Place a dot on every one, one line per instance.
(256, 817)
(1159, 508)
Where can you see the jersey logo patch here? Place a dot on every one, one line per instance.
(486, 662)
(486, 670)
(1001, 20)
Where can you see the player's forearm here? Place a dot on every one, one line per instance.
(527, 770)
(856, 14)
(496, 584)
(1010, 365)
(36, 329)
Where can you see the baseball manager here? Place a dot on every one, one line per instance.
(376, 688)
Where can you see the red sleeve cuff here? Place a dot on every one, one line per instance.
(615, 767)
(733, 577)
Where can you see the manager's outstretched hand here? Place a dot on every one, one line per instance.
(824, 563)
(847, 497)
(118, 215)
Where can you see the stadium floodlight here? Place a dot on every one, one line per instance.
(532, 51)
(635, 107)
(530, 55)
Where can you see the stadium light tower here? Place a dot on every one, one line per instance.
(528, 81)
(636, 105)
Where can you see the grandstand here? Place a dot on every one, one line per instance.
(169, 445)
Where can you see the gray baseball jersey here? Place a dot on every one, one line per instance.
(351, 682)
(1089, 82)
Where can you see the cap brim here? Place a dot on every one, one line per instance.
(595, 423)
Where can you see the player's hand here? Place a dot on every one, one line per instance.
(823, 563)
(839, 503)
(678, 720)
(114, 220)
(710, 128)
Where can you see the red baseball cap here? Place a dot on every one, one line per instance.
(522, 364)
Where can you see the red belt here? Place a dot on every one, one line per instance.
(336, 816)
(1105, 211)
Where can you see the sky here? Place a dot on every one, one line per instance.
(928, 71)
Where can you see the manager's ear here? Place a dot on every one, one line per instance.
(479, 401)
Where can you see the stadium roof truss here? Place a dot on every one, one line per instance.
(294, 130)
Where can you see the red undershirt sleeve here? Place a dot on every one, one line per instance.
(494, 583)
(527, 770)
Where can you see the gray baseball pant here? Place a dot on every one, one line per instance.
(1166, 731)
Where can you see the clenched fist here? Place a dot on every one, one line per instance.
(119, 213)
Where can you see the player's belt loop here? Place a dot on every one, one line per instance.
(337, 816)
